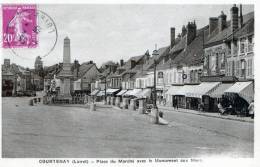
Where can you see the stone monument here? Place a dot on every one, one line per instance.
(65, 75)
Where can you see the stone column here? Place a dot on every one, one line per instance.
(108, 100)
(89, 99)
(125, 103)
(132, 104)
(141, 106)
(111, 100)
(117, 102)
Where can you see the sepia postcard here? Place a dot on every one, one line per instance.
(120, 84)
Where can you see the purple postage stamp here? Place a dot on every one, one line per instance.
(19, 23)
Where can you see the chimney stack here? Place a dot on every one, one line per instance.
(222, 21)
(241, 16)
(7, 63)
(213, 24)
(183, 31)
(121, 62)
(191, 32)
(172, 36)
(234, 18)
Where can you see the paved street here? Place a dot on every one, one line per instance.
(55, 131)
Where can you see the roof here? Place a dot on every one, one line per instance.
(217, 37)
(180, 44)
(191, 55)
(85, 67)
(247, 29)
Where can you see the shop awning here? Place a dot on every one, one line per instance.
(121, 92)
(219, 91)
(184, 90)
(173, 90)
(94, 93)
(111, 91)
(145, 93)
(133, 92)
(204, 88)
(101, 93)
(243, 89)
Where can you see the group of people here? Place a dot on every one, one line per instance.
(224, 110)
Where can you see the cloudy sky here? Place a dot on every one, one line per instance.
(113, 32)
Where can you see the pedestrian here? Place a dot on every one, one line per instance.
(220, 109)
(251, 109)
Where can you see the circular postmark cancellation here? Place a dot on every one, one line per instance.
(28, 32)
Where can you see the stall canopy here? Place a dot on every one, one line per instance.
(121, 92)
(133, 92)
(219, 91)
(101, 93)
(204, 88)
(111, 91)
(173, 90)
(145, 93)
(243, 89)
(94, 93)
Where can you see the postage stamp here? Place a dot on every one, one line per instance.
(19, 23)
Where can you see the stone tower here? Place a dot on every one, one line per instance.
(66, 75)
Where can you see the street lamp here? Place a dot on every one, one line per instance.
(105, 90)
(155, 53)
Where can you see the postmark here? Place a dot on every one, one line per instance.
(43, 34)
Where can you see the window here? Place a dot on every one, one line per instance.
(242, 46)
(238, 68)
(250, 44)
(174, 76)
(249, 67)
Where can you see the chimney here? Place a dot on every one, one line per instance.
(222, 21)
(172, 36)
(91, 62)
(241, 16)
(234, 18)
(183, 31)
(191, 32)
(7, 63)
(213, 24)
(121, 62)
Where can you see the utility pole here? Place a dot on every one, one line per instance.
(155, 53)
(105, 90)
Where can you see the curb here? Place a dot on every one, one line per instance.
(213, 116)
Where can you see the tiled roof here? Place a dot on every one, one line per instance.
(247, 29)
(216, 36)
(180, 44)
(85, 67)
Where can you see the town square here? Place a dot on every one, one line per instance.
(191, 95)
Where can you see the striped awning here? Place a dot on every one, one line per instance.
(133, 92)
(101, 93)
(111, 91)
(173, 90)
(219, 91)
(184, 90)
(145, 93)
(243, 89)
(121, 92)
(94, 93)
(204, 88)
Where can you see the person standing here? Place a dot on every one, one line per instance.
(251, 109)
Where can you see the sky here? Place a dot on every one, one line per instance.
(112, 32)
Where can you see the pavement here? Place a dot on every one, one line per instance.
(207, 114)
(44, 131)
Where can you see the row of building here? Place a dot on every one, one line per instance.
(206, 65)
